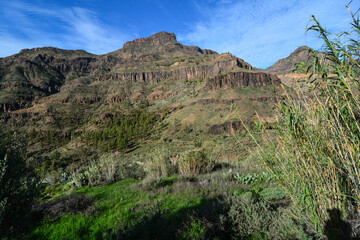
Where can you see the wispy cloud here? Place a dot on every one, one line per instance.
(25, 26)
(263, 31)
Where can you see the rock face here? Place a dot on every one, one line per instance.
(183, 73)
(288, 64)
(156, 39)
(33, 74)
(241, 80)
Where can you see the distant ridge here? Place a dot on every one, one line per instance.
(35, 74)
(288, 64)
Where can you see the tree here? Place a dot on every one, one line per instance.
(18, 187)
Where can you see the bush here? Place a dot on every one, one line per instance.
(194, 162)
(195, 230)
(249, 216)
(18, 187)
(109, 168)
(317, 155)
(161, 164)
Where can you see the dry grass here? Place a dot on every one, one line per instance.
(316, 157)
(194, 162)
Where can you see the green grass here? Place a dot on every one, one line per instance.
(118, 206)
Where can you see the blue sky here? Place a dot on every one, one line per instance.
(259, 31)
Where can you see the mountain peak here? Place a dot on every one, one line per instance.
(288, 64)
(301, 49)
(156, 39)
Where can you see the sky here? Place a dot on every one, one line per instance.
(258, 31)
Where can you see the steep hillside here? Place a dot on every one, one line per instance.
(169, 123)
(75, 105)
(40, 72)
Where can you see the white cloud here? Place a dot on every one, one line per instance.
(260, 31)
(28, 26)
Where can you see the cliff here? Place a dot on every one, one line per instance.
(241, 80)
(33, 74)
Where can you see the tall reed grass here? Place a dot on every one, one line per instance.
(316, 156)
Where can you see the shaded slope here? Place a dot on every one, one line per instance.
(288, 64)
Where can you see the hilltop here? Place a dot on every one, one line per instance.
(288, 64)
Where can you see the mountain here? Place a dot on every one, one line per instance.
(43, 71)
(169, 123)
(288, 64)
(76, 104)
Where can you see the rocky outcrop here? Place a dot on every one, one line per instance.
(288, 64)
(11, 106)
(149, 77)
(159, 46)
(156, 39)
(241, 80)
(78, 64)
(230, 127)
(204, 71)
(115, 99)
(208, 101)
(159, 95)
(190, 73)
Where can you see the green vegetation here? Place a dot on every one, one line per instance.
(120, 131)
(18, 188)
(316, 155)
(167, 160)
(194, 162)
(171, 208)
(122, 210)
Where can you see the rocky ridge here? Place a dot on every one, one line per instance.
(241, 80)
(156, 39)
(288, 64)
(40, 72)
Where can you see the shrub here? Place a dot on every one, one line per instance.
(108, 168)
(160, 164)
(196, 229)
(18, 187)
(317, 155)
(248, 216)
(194, 162)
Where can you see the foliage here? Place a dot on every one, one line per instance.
(316, 157)
(249, 216)
(161, 164)
(195, 230)
(171, 208)
(121, 131)
(123, 211)
(18, 187)
(108, 168)
(194, 162)
(250, 178)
